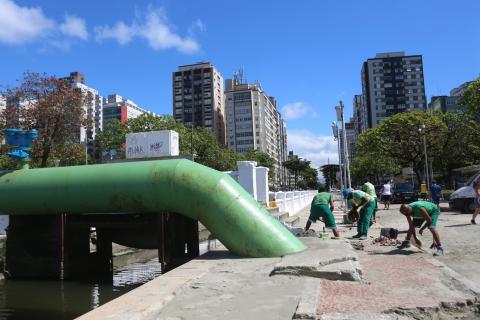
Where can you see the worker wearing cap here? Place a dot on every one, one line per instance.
(322, 207)
(361, 200)
(369, 189)
(418, 212)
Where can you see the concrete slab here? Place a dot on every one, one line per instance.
(333, 259)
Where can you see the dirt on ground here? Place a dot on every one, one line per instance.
(468, 310)
(308, 233)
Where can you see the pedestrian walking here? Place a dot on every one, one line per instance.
(436, 193)
(419, 212)
(369, 189)
(321, 209)
(476, 187)
(361, 200)
(386, 195)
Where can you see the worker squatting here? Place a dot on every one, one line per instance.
(363, 203)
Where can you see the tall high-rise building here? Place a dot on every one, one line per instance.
(93, 109)
(391, 83)
(253, 123)
(457, 92)
(283, 174)
(360, 117)
(198, 98)
(116, 107)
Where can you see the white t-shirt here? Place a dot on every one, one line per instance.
(387, 189)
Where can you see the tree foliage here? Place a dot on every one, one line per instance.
(330, 172)
(305, 176)
(470, 100)
(52, 107)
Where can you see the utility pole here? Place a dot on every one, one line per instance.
(422, 130)
(337, 138)
(341, 118)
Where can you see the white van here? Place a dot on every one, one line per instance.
(462, 199)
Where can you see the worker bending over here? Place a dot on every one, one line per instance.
(419, 212)
(361, 200)
(322, 208)
(369, 189)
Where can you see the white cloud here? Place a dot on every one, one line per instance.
(297, 110)
(74, 27)
(316, 148)
(120, 32)
(154, 29)
(20, 25)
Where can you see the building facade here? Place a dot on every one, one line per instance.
(360, 116)
(444, 104)
(391, 83)
(93, 108)
(253, 123)
(116, 107)
(198, 98)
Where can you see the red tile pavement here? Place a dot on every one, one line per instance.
(390, 281)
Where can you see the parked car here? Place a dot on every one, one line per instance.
(462, 199)
(403, 193)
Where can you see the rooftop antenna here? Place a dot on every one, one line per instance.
(238, 77)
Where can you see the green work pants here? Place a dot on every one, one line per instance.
(365, 217)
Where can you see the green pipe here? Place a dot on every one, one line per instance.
(182, 186)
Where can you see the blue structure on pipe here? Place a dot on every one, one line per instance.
(22, 140)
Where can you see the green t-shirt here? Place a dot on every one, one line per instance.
(369, 189)
(430, 207)
(322, 198)
(358, 196)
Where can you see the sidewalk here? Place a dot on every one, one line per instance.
(397, 284)
(329, 280)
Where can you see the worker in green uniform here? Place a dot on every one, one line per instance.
(366, 203)
(419, 212)
(369, 189)
(322, 208)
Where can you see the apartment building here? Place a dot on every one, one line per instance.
(93, 109)
(198, 98)
(253, 123)
(116, 107)
(391, 83)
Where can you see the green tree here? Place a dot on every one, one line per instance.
(309, 179)
(373, 167)
(398, 140)
(460, 144)
(470, 99)
(52, 107)
(297, 166)
(329, 172)
(112, 137)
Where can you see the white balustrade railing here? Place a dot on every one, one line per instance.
(292, 201)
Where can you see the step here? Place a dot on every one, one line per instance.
(281, 216)
(273, 209)
(293, 220)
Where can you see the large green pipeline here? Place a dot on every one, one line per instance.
(182, 186)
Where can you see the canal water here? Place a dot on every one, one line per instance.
(22, 299)
(65, 300)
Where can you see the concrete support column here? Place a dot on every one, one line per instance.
(247, 176)
(262, 184)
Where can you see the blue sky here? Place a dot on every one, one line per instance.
(308, 54)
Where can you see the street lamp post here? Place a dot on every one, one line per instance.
(337, 138)
(340, 117)
(423, 132)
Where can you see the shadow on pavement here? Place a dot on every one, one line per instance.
(459, 225)
(396, 252)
